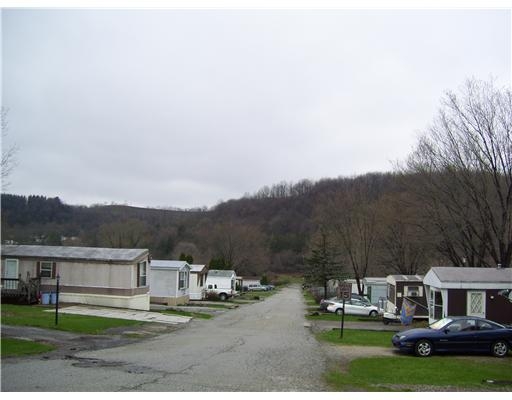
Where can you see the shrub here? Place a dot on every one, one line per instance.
(213, 296)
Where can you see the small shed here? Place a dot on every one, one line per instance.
(198, 275)
(170, 282)
(375, 289)
(469, 291)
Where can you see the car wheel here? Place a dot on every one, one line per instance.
(339, 311)
(223, 296)
(423, 348)
(373, 313)
(499, 348)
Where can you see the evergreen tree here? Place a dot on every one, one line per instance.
(187, 257)
(219, 263)
(323, 265)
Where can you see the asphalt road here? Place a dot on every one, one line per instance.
(259, 347)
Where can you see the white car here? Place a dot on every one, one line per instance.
(354, 307)
(257, 288)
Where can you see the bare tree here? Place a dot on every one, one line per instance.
(464, 165)
(130, 233)
(8, 154)
(351, 214)
(403, 243)
(240, 246)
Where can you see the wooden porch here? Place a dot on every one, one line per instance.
(19, 291)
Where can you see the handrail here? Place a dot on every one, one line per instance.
(11, 283)
(415, 302)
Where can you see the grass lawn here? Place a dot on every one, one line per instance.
(17, 347)
(36, 316)
(199, 315)
(400, 372)
(403, 371)
(357, 337)
(310, 300)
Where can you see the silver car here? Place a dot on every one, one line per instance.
(354, 307)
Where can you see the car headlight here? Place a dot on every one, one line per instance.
(402, 337)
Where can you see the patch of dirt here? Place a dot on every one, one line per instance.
(69, 344)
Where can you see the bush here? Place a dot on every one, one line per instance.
(317, 296)
(213, 296)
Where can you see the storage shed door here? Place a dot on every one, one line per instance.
(476, 303)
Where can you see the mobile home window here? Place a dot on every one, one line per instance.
(391, 291)
(46, 270)
(183, 284)
(413, 291)
(142, 267)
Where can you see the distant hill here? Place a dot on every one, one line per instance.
(274, 225)
(380, 227)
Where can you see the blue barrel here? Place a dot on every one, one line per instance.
(53, 298)
(45, 298)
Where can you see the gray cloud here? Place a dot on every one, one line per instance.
(188, 107)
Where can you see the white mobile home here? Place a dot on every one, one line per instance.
(198, 275)
(169, 282)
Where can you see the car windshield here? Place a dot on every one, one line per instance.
(441, 323)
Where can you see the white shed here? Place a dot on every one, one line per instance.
(375, 289)
(198, 275)
(170, 282)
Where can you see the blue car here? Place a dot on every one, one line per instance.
(456, 334)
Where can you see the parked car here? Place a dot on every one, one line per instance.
(456, 334)
(270, 287)
(354, 307)
(257, 288)
(325, 302)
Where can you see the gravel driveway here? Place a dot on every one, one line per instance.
(259, 347)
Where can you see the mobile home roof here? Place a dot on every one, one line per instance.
(73, 253)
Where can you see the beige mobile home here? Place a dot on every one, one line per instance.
(87, 275)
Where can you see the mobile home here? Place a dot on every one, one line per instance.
(479, 292)
(87, 275)
(400, 287)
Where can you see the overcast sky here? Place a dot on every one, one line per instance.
(185, 108)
